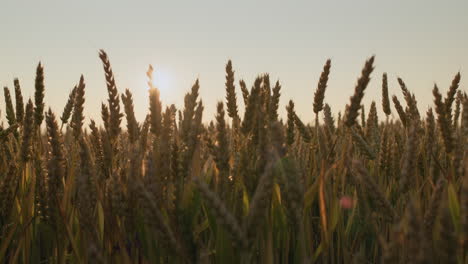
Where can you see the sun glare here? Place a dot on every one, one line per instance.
(160, 79)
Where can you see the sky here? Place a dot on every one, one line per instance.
(423, 42)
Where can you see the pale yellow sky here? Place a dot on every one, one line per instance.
(421, 41)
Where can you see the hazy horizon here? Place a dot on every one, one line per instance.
(423, 42)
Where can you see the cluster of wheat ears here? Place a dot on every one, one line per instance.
(255, 189)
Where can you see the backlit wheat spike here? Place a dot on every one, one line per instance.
(221, 146)
(321, 87)
(328, 119)
(410, 101)
(302, 128)
(384, 153)
(372, 127)
(67, 110)
(19, 102)
(55, 167)
(445, 125)
(385, 97)
(451, 96)
(165, 145)
(132, 124)
(155, 111)
(190, 104)
(144, 133)
(78, 116)
(190, 128)
(266, 91)
(231, 99)
(274, 102)
(430, 133)
(363, 117)
(115, 116)
(96, 145)
(252, 104)
(355, 100)
(401, 112)
(105, 117)
(10, 111)
(290, 124)
(39, 96)
(28, 128)
(245, 91)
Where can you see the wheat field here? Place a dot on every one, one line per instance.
(348, 188)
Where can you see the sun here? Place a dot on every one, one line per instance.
(159, 78)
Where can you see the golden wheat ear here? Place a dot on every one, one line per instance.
(355, 100)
